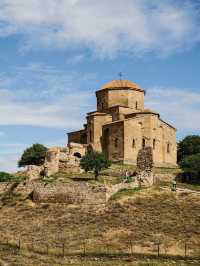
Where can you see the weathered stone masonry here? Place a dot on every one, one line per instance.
(121, 126)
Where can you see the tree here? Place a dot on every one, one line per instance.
(35, 155)
(5, 177)
(191, 165)
(94, 161)
(188, 146)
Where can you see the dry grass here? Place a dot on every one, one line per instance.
(144, 218)
(117, 167)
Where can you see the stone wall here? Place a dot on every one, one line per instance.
(145, 165)
(66, 159)
(164, 177)
(68, 193)
(33, 171)
(72, 193)
(113, 144)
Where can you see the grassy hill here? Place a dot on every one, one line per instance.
(129, 230)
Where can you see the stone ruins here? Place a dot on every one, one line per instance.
(145, 165)
(66, 160)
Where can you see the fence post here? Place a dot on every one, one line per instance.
(32, 246)
(47, 246)
(158, 249)
(63, 249)
(107, 247)
(84, 248)
(185, 249)
(131, 246)
(19, 244)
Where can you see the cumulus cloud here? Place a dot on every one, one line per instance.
(106, 27)
(178, 106)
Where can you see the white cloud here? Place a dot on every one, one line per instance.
(40, 95)
(10, 153)
(8, 162)
(106, 27)
(178, 106)
(64, 113)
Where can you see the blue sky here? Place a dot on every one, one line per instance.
(54, 54)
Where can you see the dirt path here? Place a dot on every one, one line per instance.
(181, 190)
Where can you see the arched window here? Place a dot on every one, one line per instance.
(143, 143)
(136, 105)
(133, 144)
(154, 144)
(168, 148)
(116, 142)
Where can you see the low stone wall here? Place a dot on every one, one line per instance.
(164, 177)
(24, 188)
(69, 168)
(71, 193)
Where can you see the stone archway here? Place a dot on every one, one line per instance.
(77, 155)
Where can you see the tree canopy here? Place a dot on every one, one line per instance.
(94, 161)
(191, 165)
(188, 146)
(35, 155)
(189, 157)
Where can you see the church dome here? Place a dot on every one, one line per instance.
(125, 84)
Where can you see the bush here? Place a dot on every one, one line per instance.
(94, 161)
(35, 155)
(5, 177)
(188, 146)
(189, 157)
(191, 165)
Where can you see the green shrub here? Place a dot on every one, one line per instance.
(188, 146)
(191, 165)
(35, 155)
(94, 161)
(5, 177)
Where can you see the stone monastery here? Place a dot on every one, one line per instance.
(121, 126)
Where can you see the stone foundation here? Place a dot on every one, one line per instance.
(72, 193)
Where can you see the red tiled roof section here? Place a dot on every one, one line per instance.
(116, 84)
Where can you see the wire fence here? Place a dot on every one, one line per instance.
(100, 247)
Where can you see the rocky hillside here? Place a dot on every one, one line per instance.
(131, 229)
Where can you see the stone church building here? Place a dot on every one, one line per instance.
(121, 126)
